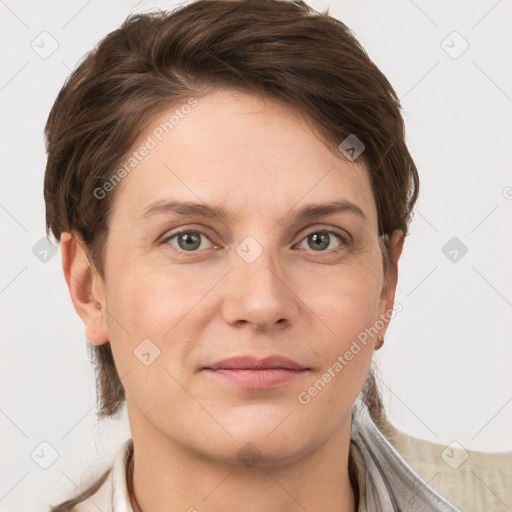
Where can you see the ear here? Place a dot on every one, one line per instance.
(85, 287)
(387, 297)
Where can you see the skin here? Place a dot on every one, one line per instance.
(259, 159)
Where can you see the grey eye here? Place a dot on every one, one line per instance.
(187, 240)
(318, 241)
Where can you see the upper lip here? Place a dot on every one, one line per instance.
(253, 363)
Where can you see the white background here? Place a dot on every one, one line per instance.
(446, 364)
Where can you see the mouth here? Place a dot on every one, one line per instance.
(250, 372)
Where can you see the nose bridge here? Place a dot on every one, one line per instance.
(258, 269)
(259, 292)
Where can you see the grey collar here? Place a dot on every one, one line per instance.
(390, 484)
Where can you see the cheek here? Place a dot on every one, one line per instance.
(348, 307)
(348, 299)
(344, 345)
(351, 312)
(155, 310)
(145, 313)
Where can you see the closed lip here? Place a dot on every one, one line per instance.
(253, 363)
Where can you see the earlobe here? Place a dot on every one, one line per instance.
(85, 287)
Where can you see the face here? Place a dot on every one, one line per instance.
(187, 288)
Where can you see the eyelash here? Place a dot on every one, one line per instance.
(344, 241)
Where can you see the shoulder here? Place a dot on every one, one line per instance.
(471, 480)
(95, 495)
(109, 492)
(101, 499)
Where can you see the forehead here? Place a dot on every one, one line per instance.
(249, 154)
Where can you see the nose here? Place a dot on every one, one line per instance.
(260, 294)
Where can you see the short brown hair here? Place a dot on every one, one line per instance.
(277, 48)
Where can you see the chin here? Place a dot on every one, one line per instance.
(261, 453)
(265, 444)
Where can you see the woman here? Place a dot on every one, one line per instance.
(261, 136)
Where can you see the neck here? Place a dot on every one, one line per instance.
(164, 476)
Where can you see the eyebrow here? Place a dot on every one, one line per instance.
(305, 213)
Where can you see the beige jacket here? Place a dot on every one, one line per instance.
(473, 481)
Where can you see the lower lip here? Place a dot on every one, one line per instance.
(258, 379)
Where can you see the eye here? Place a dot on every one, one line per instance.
(322, 239)
(318, 241)
(188, 241)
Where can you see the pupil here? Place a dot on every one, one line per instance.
(322, 238)
(187, 238)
